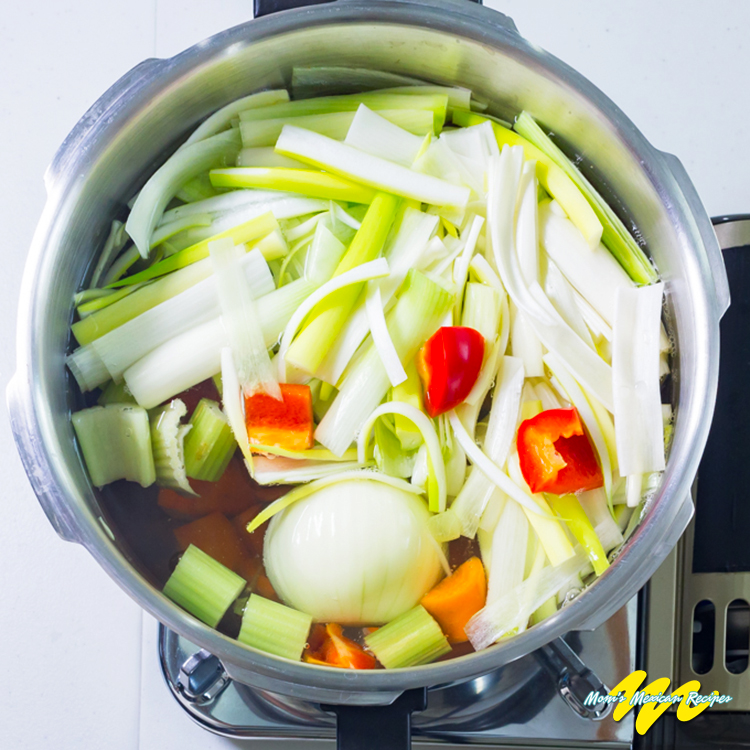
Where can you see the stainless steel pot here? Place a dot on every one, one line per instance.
(144, 116)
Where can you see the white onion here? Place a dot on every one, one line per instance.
(357, 552)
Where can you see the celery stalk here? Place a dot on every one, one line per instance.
(167, 438)
(309, 182)
(203, 586)
(374, 171)
(253, 229)
(570, 511)
(274, 628)
(414, 318)
(614, 235)
(182, 166)
(411, 639)
(328, 318)
(210, 444)
(116, 443)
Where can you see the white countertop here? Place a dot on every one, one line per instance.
(71, 639)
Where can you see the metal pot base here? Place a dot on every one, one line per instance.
(528, 701)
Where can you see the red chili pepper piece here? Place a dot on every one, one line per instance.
(449, 365)
(555, 454)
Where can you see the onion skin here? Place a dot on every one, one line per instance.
(355, 553)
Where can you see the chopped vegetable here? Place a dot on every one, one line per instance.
(336, 650)
(287, 423)
(116, 444)
(457, 598)
(167, 440)
(555, 454)
(274, 628)
(412, 639)
(449, 364)
(203, 586)
(210, 445)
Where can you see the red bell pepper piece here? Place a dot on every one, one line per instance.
(287, 423)
(330, 647)
(555, 454)
(449, 365)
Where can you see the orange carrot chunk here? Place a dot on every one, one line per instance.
(215, 536)
(457, 598)
(285, 424)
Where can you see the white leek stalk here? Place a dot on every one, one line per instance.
(357, 166)
(239, 316)
(234, 404)
(507, 557)
(182, 166)
(280, 470)
(639, 427)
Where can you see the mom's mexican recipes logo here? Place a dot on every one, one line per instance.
(654, 701)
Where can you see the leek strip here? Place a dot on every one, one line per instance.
(239, 315)
(551, 534)
(115, 393)
(371, 270)
(203, 586)
(570, 511)
(403, 253)
(461, 265)
(577, 397)
(265, 156)
(166, 181)
(291, 471)
(614, 235)
(273, 246)
(234, 404)
(560, 293)
(222, 204)
(87, 368)
(198, 304)
(264, 133)
(639, 428)
(194, 356)
(594, 273)
(116, 444)
(311, 454)
(445, 526)
(512, 611)
(167, 442)
(333, 79)
(221, 119)
(508, 555)
(324, 255)
(327, 321)
(551, 177)
(527, 224)
(408, 392)
(597, 508)
(458, 96)
(526, 344)
(252, 229)
(425, 426)
(109, 297)
(506, 400)
(306, 181)
(413, 319)
(116, 241)
(373, 133)
(298, 493)
(165, 231)
(436, 103)
(121, 266)
(634, 490)
(381, 338)
(373, 171)
(484, 464)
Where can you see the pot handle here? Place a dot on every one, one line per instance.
(706, 231)
(33, 456)
(378, 727)
(101, 109)
(266, 7)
